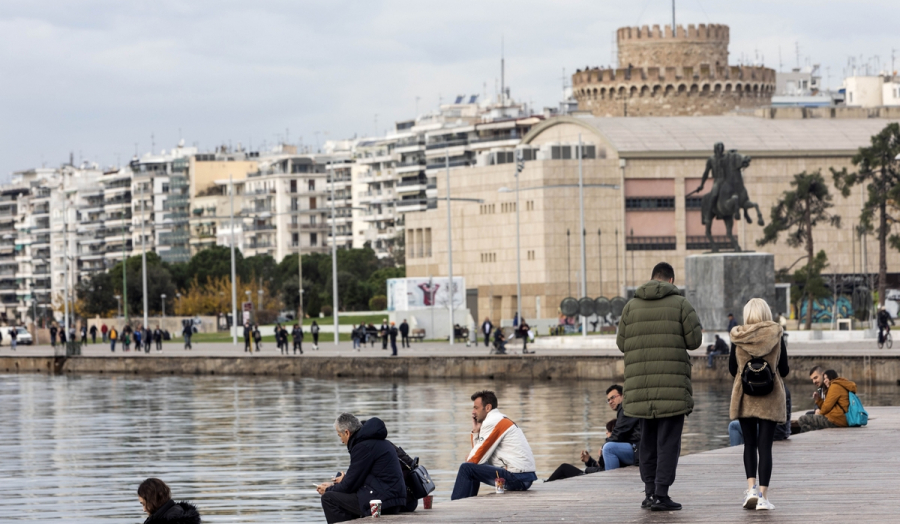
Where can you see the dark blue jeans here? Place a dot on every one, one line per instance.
(471, 475)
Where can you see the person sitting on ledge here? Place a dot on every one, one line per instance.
(621, 446)
(832, 411)
(566, 471)
(717, 348)
(156, 499)
(499, 450)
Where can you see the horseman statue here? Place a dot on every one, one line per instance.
(728, 195)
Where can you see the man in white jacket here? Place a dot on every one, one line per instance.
(499, 449)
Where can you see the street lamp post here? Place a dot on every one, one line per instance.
(143, 257)
(119, 305)
(163, 297)
(581, 209)
(249, 299)
(520, 164)
(334, 282)
(233, 272)
(449, 246)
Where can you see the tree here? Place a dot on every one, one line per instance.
(878, 169)
(213, 262)
(96, 296)
(159, 282)
(797, 213)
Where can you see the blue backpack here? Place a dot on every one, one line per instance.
(856, 414)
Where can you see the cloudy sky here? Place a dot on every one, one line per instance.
(99, 77)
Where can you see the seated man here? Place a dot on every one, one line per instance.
(717, 348)
(565, 471)
(833, 408)
(782, 431)
(499, 341)
(621, 446)
(374, 473)
(499, 449)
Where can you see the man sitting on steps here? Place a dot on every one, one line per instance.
(499, 450)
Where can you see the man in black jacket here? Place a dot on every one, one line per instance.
(486, 328)
(404, 334)
(621, 446)
(247, 333)
(374, 473)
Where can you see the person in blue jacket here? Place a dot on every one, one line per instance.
(374, 473)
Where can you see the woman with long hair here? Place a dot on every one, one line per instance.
(761, 340)
(156, 499)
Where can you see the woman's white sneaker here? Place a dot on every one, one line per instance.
(751, 498)
(763, 503)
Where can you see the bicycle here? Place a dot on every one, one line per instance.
(887, 340)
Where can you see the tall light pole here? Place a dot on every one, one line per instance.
(65, 260)
(449, 245)
(581, 209)
(163, 298)
(143, 256)
(334, 282)
(233, 271)
(520, 165)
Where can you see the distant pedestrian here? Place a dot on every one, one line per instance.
(187, 333)
(104, 332)
(53, 332)
(62, 337)
(760, 338)
(113, 335)
(93, 331)
(13, 336)
(516, 319)
(148, 339)
(314, 329)
(732, 323)
(392, 333)
(297, 334)
(715, 349)
(404, 334)
(356, 333)
(84, 333)
(248, 333)
(371, 334)
(486, 328)
(522, 331)
(138, 334)
(257, 336)
(126, 338)
(656, 329)
(158, 337)
(383, 332)
(156, 499)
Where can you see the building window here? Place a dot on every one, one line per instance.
(295, 239)
(427, 241)
(650, 204)
(420, 243)
(293, 186)
(560, 152)
(312, 185)
(313, 239)
(693, 203)
(636, 243)
(411, 243)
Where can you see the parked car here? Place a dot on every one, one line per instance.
(22, 336)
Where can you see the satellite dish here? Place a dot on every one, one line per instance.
(569, 307)
(602, 306)
(586, 307)
(617, 304)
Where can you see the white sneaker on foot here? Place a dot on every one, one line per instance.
(763, 503)
(751, 498)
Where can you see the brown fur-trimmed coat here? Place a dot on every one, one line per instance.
(758, 340)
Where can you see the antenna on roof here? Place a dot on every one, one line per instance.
(673, 17)
(502, 74)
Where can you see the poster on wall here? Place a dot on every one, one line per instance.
(413, 293)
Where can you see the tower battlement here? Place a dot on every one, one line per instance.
(703, 32)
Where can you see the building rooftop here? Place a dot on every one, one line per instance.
(683, 136)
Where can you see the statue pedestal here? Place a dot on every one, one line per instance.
(717, 284)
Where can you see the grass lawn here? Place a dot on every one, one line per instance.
(346, 320)
(225, 336)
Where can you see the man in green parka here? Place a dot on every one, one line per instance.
(657, 328)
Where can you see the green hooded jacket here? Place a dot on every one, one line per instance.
(657, 327)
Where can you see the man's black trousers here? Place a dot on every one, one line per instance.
(340, 507)
(659, 450)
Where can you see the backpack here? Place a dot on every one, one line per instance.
(856, 415)
(757, 379)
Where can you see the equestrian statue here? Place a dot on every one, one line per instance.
(728, 195)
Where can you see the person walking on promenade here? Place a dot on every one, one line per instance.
(13, 336)
(279, 341)
(759, 342)
(404, 334)
(104, 331)
(148, 339)
(392, 333)
(314, 329)
(832, 409)
(383, 332)
(84, 332)
(297, 335)
(257, 336)
(126, 338)
(657, 328)
(355, 334)
(486, 329)
(93, 332)
(138, 333)
(156, 499)
(732, 323)
(113, 336)
(157, 337)
(53, 331)
(248, 333)
(499, 451)
(371, 334)
(187, 333)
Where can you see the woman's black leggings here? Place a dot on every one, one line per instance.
(758, 437)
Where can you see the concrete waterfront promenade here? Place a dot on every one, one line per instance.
(834, 475)
(600, 360)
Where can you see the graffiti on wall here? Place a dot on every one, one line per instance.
(823, 309)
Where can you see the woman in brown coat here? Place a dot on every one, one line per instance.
(759, 337)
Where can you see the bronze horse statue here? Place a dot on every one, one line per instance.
(728, 195)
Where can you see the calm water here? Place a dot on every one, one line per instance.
(74, 448)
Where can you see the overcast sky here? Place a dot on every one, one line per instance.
(97, 77)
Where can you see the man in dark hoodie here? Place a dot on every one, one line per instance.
(156, 498)
(374, 473)
(622, 443)
(657, 328)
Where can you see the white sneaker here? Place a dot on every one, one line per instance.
(751, 498)
(763, 503)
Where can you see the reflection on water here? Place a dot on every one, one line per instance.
(74, 448)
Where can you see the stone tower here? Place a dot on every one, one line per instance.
(666, 74)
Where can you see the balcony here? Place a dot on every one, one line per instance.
(649, 243)
(447, 143)
(453, 163)
(411, 205)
